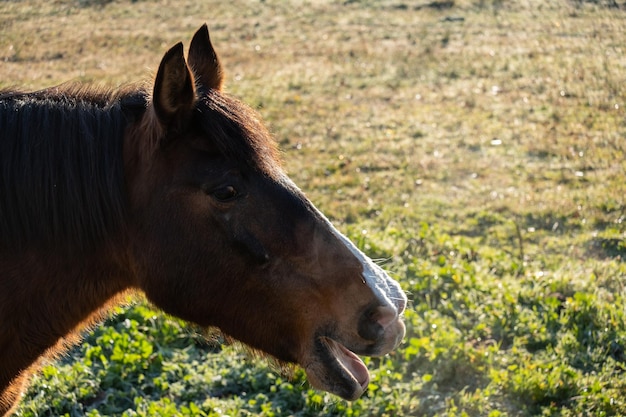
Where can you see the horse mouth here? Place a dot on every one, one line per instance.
(337, 370)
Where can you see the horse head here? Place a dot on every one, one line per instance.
(222, 237)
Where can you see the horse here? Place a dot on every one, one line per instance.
(176, 192)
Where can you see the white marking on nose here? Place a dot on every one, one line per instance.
(386, 289)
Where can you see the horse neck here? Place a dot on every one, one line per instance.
(46, 301)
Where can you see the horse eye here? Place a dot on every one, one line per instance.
(225, 193)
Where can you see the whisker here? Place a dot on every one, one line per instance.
(382, 261)
(409, 296)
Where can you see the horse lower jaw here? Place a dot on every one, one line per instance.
(337, 370)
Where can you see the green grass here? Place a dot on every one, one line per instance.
(482, 161)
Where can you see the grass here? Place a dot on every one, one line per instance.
(477, 148)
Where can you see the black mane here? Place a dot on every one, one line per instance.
(61, 166)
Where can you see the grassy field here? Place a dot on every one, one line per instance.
(477, 148)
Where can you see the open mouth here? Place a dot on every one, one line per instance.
(337, 370)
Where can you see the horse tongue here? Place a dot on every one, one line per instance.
(356, 367)
(352, 363)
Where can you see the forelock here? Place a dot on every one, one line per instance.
(237, 131)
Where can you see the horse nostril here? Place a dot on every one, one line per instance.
(373, 323)
(384, 316)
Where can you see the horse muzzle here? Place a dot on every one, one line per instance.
(333, 364)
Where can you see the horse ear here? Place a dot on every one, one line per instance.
(204, 61)
(174, 93)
